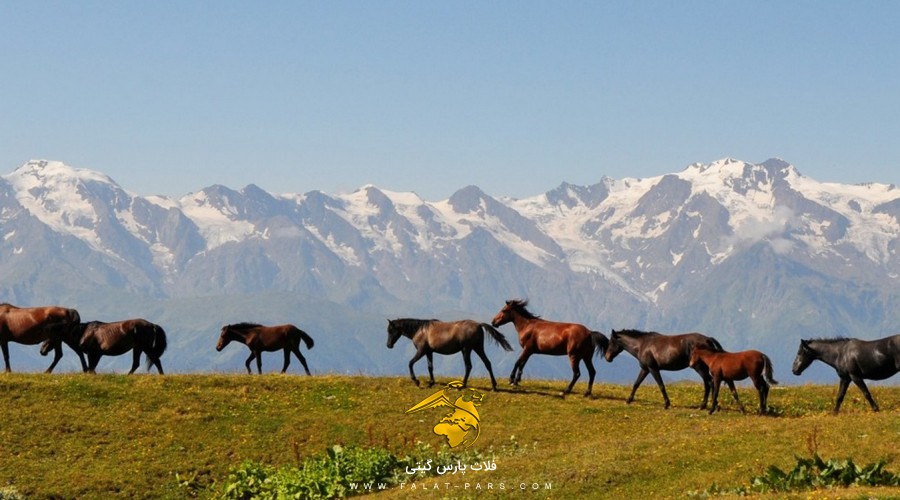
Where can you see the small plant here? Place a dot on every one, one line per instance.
(811, 473)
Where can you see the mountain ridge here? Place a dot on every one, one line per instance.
(646, 253)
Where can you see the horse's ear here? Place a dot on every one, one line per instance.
(804, 343)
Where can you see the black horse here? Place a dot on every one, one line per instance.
(854, 360)
(97, 339)
(433, 336)
(655, 352)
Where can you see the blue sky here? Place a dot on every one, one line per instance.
(168, 97)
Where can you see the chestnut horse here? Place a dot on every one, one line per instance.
(97, 339)
(655, 352)
(259, 338)
(446, 337)
(854, 360)
(539, 336)
(731, 366)
(33, 325)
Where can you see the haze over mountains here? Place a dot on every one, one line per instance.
(757, 255)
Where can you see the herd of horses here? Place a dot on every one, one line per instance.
(854, 360)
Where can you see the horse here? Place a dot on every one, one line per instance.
(98, 339)
(655, 351)
(731, 366)
(259, 338)
(854, 360)
(431, 336)
(33, 325)
(539, 336)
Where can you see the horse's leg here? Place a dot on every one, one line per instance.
(716, 383)
(287, 359)
(430, 357)
(762, 388)
(487, 364)
(865, 390)
(302, 359)
(662, 387)
(591, 373)
(416, 357)
(637, 383)
(707, 383)
(57, 355)
(842, 390)
(259, 362)
(136, 359)
(516, 376)
(247, 363)
(735, 394)
(93, 361)
(4, 346)
(576, 372)
(467, 361)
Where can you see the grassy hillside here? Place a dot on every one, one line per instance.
(146, 436)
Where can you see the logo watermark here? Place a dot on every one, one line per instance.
(462, 426)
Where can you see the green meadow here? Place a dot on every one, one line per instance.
(149, 436)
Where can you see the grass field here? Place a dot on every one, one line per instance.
(146, 436)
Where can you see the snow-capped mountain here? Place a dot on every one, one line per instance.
(755, 254)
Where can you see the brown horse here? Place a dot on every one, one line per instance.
(731, 366)
(445, 337)
(261, 338)
(33, 325)
(539, 336)
(655, 352)
(98, 339)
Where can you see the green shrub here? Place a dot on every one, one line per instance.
(811, 473)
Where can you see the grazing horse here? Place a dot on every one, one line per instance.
(97, 339)
(539, 336)
(854, 360)
(731, 366)
(259, 338)
(655, 352)
(431, 336)
(33, 325)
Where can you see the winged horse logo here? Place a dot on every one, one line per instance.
(462, 425)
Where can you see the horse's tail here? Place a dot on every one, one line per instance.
(158, 344)
(497, 336)
(767, 370)
(715, 344)
(600, 342)
(306, 339)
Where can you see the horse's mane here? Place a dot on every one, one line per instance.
(634, 333)
(520, 306)
(831, 340)
(244, 326)
(411, 325)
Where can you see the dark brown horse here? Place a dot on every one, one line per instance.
(854, 360)
(445, 337)
(539, 336)
(97, 339)
(731, 366)
(655, 352)
(259, 338)
(33, 325)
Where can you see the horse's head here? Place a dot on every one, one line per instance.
(47, 346)
(614, 347)
(509, 309)
(393, 332)
(225, 336)
(696, 354)
(805, 356)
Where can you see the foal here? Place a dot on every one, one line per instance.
(731, 366)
